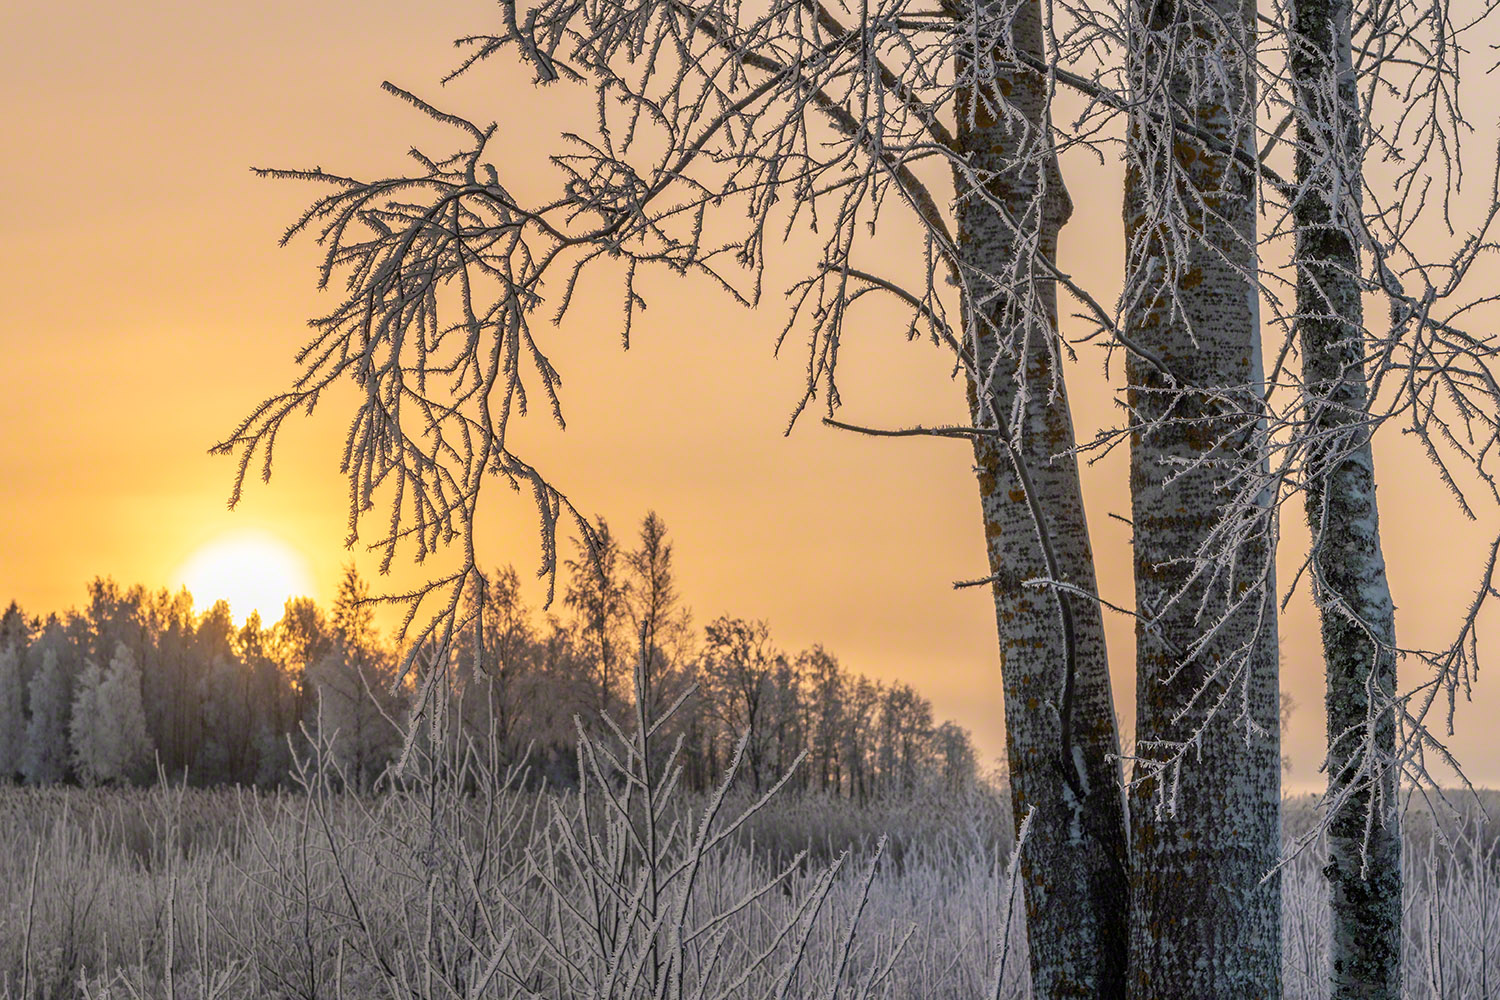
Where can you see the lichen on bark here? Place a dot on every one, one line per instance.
(1062, 740)
(1205, 799)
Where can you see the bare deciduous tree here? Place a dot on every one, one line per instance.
(1061, 737)
(720, 128)
(798, 112)
(1205, 809)
(739, 665)
(1348, 567)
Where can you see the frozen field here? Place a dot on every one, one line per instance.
(223, 894)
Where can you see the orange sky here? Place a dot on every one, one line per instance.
(146, 308)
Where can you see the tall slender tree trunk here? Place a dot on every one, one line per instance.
(1349, 580)
(1062, 739)
(1204, 833)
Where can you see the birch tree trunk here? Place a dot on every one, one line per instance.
(1206, 831)
(1062, 739)
(1349, 579)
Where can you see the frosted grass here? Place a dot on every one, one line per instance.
(225, 894)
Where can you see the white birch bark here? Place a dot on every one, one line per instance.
(1349, 578)
(1062, 740)
(1206, 827)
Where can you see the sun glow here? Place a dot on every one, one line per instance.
(252, 571)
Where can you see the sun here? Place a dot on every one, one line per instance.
(253, 571)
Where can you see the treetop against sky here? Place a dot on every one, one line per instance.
(174, 312)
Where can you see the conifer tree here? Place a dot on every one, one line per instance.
(45, 758)
(86, 729)
(353, 619)
(12, 716)
(15, 629)
(122, 744)
(108, 724)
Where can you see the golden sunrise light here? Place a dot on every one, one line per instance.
(1054, 492)
(251, 571)
(177, 313)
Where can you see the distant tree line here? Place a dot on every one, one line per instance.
(138, 679)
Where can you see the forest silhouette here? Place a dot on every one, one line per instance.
(222, 703)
